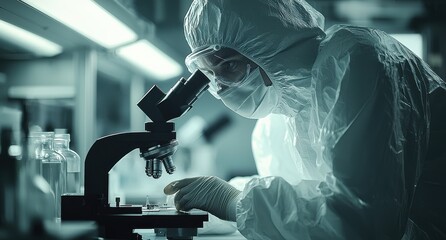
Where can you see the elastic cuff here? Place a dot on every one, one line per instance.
(231, 210)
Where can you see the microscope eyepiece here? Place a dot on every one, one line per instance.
(160, 107)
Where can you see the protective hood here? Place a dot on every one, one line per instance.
(284, 43)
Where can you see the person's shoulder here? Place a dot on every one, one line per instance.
(342, 39)
(358, 34)
(346, 42)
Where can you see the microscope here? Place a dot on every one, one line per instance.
(156, 145)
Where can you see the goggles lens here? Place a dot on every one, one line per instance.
(225, 67)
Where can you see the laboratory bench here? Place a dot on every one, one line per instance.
(150, 235)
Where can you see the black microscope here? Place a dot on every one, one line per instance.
(156, 145)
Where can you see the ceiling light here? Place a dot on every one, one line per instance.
(27, 40)
(87, 18)
(151, 60)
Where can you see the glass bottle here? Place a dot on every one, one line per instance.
(53, 168)
(37, 188)
(8, 182)
(34, 161)
(62, 146)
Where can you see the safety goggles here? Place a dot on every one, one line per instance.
(225, 67)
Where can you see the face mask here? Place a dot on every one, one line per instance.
(252, 98)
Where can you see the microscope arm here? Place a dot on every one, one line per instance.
(108, 150)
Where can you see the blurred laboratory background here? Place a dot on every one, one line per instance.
(80, 67)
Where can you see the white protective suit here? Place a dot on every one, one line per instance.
(345, 147)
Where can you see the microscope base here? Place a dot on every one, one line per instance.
(176, 233)
(172, 224)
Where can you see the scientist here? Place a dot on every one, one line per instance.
(347, 143)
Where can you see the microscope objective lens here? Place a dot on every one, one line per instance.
(168, 164)
(157, 169)
(149, 167)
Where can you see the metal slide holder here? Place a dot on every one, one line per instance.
(157, 145)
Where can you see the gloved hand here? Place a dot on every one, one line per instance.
(210, 194)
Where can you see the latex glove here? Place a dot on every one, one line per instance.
(210, 194)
